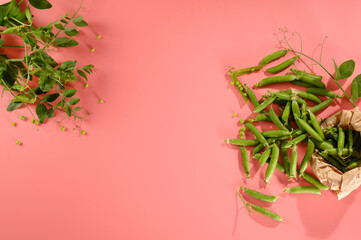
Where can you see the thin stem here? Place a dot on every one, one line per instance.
(244, 202)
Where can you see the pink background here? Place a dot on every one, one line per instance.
(152, 165)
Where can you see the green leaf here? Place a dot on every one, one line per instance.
(65, 42)
(64, 21)
(59, 26)
(18, 87)
(41, 58)
(69, 92)
(46, 83)
(78, 109)
(74, 101)
(346, 69)
(80, 22)
(71, 31)
(41, 111)
(337, 70)
(22, 98)
(356, 88)
(12, 106)
(40, 4)
(82, 73)
(50, 97)
(9, 76)
(68, 110)
(68, 65)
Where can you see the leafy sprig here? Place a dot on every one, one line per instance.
(37, 79)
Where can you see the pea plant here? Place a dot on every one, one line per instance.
(38, 79)
(297, 123)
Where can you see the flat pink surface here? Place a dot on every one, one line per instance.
(152, 165)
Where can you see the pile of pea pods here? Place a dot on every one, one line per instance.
(297, 123)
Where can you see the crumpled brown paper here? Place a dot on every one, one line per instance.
(342, 183)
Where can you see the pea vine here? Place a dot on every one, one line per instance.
(37, 79)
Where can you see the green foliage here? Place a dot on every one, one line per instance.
(51, 81)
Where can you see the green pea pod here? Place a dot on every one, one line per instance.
(296, 140)
(243, 71)
(245, 160)
(295, 109)
(306, 159)
(293, 165)
(257, 156)
(353, 164)
(316, 124)
(323, 92)
(276, 120)
(264, 104)
(321, 106)
(276, 133)
(308, 96)
(273, 56)
(258, 148)
(286, 112)
(288, 97)
(266, 212)
(273, 163)
(277, 79)
(263, 117)
(259, 196)
(252, 96)
(256, 133)
(340, 140)
(283, 65)
(323, 145)
(243, 142)
(315, 182)
(350, 138)
(309, 129)
(302, 84)
(265, 156)
(285, 158)
(303, 189)
(306, 75)
(315, 80)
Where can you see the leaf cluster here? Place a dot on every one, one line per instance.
(37, 78)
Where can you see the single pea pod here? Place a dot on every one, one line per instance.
(276, 120)
(308, 96)
(302, 84)
(314, 181)
(273, 56)
(323, 92)
(353, 164)
(264, 157)
(285, 158)
(263, 117)
(322, 145)
(315, 80)
(243, 142)
(321, 106)
(340, 140)
(303, 189)
(316, 124)
(266, 212)
(296, 140)
(306, 159)
(245, 160)
(276, 133)
(273, 163)
(256, 133)
(293, 165)
(264, 104)
(259, 196)
(282, 66)
(350, 138)
(252, 97)
(295, 109)
(248, 70)
(309, 129)
(286, 112)
(277, 79)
